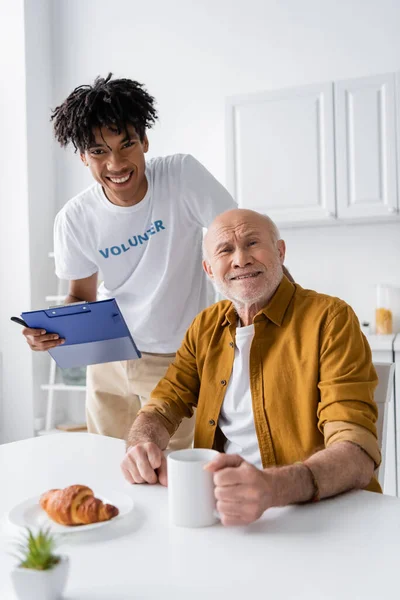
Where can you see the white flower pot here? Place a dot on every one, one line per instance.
(46, 585)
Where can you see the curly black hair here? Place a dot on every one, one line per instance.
(107, 103)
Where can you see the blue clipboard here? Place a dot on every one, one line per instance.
(94, 332)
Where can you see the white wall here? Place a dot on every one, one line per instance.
(193, 55)
(41, 169)
(347, 262)
(16, 410)
(27, 206)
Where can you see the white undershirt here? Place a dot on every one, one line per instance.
(236, 419)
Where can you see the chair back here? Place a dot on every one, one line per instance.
(383, 395)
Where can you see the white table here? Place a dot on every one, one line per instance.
(347, 547)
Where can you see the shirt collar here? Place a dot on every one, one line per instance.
(274, 310)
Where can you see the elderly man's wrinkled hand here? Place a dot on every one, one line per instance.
(242, 491)
(145, 463)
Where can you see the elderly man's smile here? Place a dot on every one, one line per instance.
(246, 276)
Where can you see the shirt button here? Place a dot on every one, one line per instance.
(223, 381)
(231, 344)
(211, 422)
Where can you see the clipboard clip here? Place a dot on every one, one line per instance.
(69, 304)
(66, 310)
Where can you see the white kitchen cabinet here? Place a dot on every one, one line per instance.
(365, 147)
(382, 351)
(319, 154)
(281, 153)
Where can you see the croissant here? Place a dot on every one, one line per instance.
(76, 505)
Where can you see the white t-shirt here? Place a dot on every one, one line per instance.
(236, 418)
(149, 255)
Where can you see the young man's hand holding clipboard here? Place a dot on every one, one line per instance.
(39, 339)
(87, 333)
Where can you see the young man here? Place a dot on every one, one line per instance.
(140, 226)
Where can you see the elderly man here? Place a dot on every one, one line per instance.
(281, 377)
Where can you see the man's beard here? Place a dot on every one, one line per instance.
(274, 277)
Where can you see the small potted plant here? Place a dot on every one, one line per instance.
(40, 573)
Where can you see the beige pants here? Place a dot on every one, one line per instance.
(116, 391)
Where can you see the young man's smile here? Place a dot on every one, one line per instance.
(119, 179)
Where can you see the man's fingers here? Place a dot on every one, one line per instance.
(229, 521)
(143, 465)
(39, 339)
(223, 461)
(231, 493)
(238, 513)
(127, 473)
(33, 332)
(41, 342)
(130, 470)
(162, 472)
(231, 514)
(155, 456)
(158, 462)
(133, 469)
(126, 470)
(225, 469)
(229, 509)
(228, 477)
(46, 345)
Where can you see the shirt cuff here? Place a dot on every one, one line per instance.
(341, 431)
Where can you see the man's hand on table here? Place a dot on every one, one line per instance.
(145, 463)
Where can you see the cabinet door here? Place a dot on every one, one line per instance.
(281, 153)
(365, 129)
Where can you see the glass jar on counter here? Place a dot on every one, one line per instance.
(383, 311)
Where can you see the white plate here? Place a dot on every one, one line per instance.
(30, 514)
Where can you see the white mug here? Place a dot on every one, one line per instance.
(190, 488)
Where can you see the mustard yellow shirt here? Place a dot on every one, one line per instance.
(311, 377)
